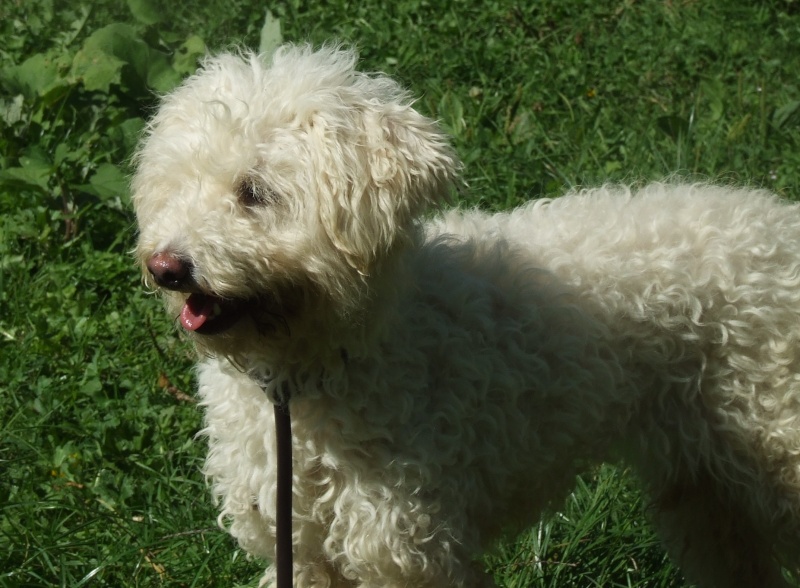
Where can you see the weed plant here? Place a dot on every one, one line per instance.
(100, 481)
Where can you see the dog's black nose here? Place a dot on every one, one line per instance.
(170, 271)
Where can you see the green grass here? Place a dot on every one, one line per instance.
(99, 463)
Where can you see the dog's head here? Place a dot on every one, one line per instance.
(269, 190)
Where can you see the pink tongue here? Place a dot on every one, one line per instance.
(196, 311)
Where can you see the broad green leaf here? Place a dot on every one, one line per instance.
(271, 37)
(146, 11)
(713, 90)
(62, 153)
(97, 69)
(159, 74)
(37, 75)
(32, 172)
(129, 132)
(100, 61)
(108, 182)
(187, 55)
(11, 110)
(98, 64)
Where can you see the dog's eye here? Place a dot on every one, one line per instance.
(247, 194)
(251, 194)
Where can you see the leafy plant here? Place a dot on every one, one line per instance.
(75, 115)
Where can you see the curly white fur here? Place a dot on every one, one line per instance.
(450, 377)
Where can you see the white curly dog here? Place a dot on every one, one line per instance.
(450, 375)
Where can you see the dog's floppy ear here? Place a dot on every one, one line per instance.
(397, 163)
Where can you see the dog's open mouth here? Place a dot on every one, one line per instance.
(206, 314)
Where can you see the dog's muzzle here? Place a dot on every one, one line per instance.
(202, 312)
(171, 272)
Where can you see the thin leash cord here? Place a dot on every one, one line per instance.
(283, 506)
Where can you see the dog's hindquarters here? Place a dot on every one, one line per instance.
(698, 287)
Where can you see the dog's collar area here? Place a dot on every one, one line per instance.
(277, 389)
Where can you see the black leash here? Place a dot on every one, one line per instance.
(283, 506)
